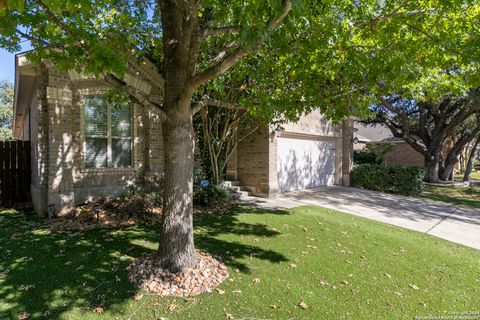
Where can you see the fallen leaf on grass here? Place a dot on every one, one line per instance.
(229, 316)
(171, 307)
(303, 305)
(99, 310)
(388, 276)
(237, 291)
(27, 287)
(24, 316)
(414, 287)
(323, 283)
(220, 291)
(398, 294)
(137, 297)
(273, 306)
(256, 280)
(293, 265)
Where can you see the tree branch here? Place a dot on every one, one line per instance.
(230, 60)
(135, 94)
(208, 32)
(206, 101)
(55, 19)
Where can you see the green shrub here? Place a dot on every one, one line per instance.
(393, 179)
(365, 157)
(140, 200)
(206, 193)
(373, 153)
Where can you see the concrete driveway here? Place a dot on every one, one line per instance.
(460, 225)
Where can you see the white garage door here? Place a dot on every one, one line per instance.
(304, 164)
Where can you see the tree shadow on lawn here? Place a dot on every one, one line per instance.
(47, 274)
(215, 225)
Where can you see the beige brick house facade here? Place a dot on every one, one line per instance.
(50, 112)
(256, 162)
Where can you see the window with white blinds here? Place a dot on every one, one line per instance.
(108, 133)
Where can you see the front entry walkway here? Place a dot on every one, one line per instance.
(456, 224)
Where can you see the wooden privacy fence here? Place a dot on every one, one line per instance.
(15, 172)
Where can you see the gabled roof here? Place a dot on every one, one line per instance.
(372, 132)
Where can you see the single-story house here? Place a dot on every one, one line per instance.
(402, 153)
(83, 147)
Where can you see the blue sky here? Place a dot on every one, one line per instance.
(7, 63)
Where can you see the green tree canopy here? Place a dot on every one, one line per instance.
(6, 110)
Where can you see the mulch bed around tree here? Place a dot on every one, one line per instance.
(209, 273)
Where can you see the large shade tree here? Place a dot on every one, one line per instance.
(428, 125)
(335, 55)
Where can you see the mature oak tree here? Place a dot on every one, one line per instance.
(427, 126)
(334, 55)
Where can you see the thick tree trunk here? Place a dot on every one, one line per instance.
(176, 251)
(431, 169)
(447, 173)
(471, 160)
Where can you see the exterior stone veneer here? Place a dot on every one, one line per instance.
(59, 175)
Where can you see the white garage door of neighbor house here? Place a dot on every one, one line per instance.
(305, 164)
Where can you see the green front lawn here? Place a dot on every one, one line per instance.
(339, 266)
(474, 176)
(459, 196)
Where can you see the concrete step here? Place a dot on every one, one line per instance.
(231, 183)
(240, 195)
(234, 188)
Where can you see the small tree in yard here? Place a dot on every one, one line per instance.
(6, 110)
(219, 130)
(333, 55)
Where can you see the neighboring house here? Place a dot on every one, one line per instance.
(84, 147)
(401, 154)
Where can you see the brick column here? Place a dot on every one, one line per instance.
(60, 179)
(232, 166)
(347, 150)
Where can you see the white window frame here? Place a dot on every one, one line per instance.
(109, 136)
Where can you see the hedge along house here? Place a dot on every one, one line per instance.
(84, 147)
